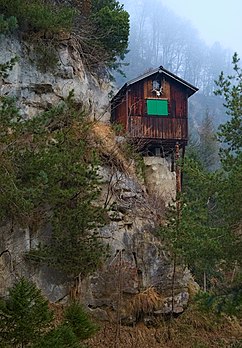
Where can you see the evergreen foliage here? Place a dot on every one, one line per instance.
(205, 148)
(230, 135)
(37, 15)
(5, 68)
(112, 23)
(7, 24)
(24, 315)
(26, 321)
(197, 236)
(101, 35)
(205, 232)
(49, 175)
(79, 321)
(230, 88)
(228, 300)
(60, 337)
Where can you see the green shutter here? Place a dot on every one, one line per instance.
(157, 107)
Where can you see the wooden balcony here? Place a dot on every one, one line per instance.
(158, 128)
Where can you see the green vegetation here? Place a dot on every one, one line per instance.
(112, 25)
(26, 321)
(205, 146)
(7, 24)
(204, 232)
(101, 35)
(37, 15)
(49, 175)
(24, 315)
(7, 67)
(230, 88)
(75, 327)
(229, 134)
(76, 318)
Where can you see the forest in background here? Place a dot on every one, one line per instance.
(159, 37)
(207, 236)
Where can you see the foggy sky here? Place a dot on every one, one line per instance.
(215, 20)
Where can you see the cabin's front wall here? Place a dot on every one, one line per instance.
(120, 113)
(172, 125)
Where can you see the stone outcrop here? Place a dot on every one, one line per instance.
(137, 280)
(159, 178)
(36, 91)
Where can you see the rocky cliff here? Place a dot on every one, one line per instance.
(38, 88)
(137, 280)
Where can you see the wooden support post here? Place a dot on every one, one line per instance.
(183, 156)
(178, 180)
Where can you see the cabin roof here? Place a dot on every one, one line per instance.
(192, 89)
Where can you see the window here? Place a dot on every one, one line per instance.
(155, 85)
(157, 107)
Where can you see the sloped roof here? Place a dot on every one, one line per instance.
(161, 70)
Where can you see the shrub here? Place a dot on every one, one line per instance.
(24, 315)
(60, 337)
(38, 16)
(79, 321)
(112, 24)
(7, 24)
(49, 175)
(26, 321)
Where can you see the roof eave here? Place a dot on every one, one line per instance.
(192, 88)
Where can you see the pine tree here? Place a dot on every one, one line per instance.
(79, 321)
(230, 136)
(230, 88)
(26, 321)
(24, 315)
(208, 145)
(49, 176)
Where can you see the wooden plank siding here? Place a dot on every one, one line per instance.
(164, 128)
(119, 113)
(129, 107)
(178, 102)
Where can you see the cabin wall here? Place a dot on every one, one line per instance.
(119, 112)
(171, 127)
(178, 101)
(131, 112)
(136, 105)
(172, 91)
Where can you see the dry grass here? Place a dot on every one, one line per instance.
(109, 149)
(193, 329)
(145, 302)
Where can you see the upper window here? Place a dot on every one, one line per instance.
(157, 107)
(155, 85)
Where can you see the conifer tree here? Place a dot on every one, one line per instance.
(230, 88)
(230, 136)
(208, 145)
(24, 315)
(26, 321)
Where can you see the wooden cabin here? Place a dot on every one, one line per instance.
(154, 107)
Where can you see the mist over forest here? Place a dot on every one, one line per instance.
(159, 37)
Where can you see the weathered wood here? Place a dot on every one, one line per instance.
(165, 128)
(129, 107)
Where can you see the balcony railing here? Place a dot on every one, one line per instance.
(155, 127)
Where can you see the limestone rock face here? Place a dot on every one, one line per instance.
(137, 279)
(36, 90)
(160, 180)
